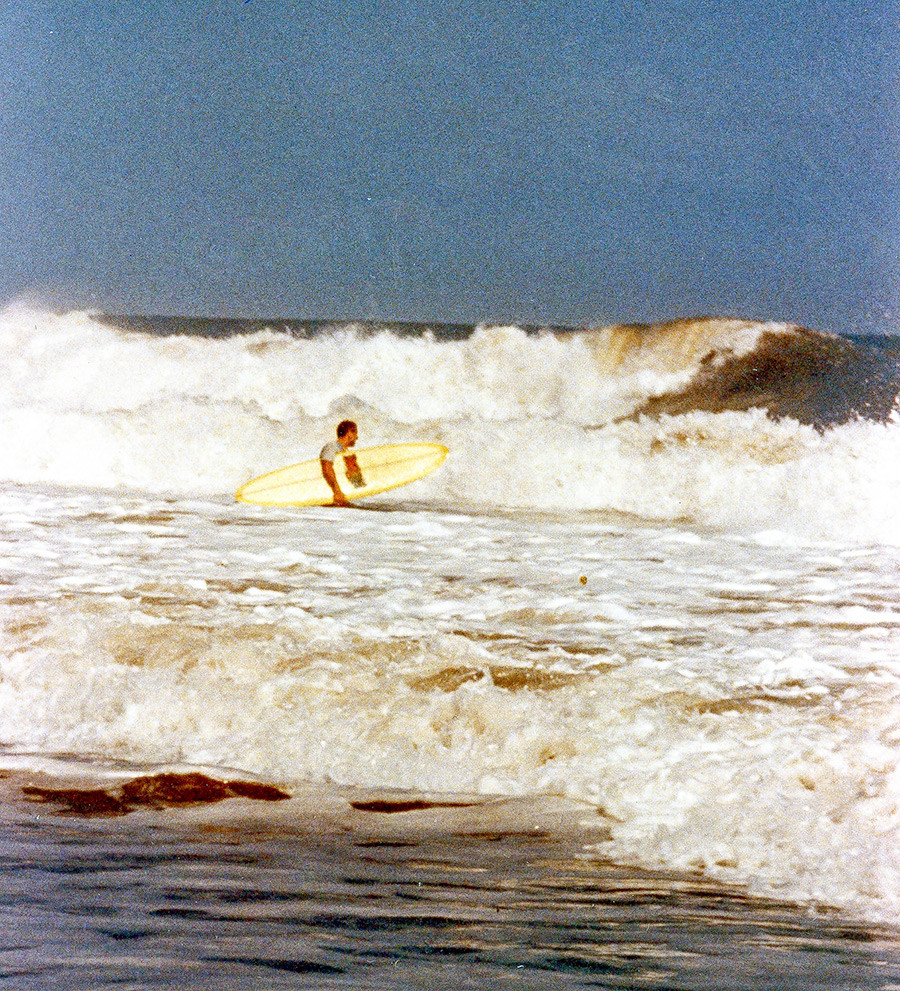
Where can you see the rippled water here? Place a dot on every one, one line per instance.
(233, 903)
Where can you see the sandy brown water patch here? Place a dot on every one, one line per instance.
(155, 791)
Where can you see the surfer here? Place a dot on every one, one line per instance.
(346, 438)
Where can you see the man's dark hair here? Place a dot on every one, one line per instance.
(344, 427)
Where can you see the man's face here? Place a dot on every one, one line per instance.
(349, 438)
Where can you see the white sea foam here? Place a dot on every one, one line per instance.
(730, 705)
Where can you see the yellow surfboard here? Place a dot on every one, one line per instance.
(360, 472)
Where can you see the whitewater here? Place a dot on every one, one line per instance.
(533, 421)
(649, 601)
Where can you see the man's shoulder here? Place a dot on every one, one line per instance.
(330, 451)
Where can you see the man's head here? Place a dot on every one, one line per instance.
(346, 433)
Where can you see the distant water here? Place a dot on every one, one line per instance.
(617, 686)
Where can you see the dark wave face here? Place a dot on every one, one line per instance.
(814, 378)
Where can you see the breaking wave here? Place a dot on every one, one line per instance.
(732, 423)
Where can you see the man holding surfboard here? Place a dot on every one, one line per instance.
(346, 438)
(361, 472)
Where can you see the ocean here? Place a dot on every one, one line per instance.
(610, 700)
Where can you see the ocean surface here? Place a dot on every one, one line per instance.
(611, 700)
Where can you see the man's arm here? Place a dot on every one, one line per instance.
(330, 477)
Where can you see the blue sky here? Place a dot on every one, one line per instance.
(563, 162)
